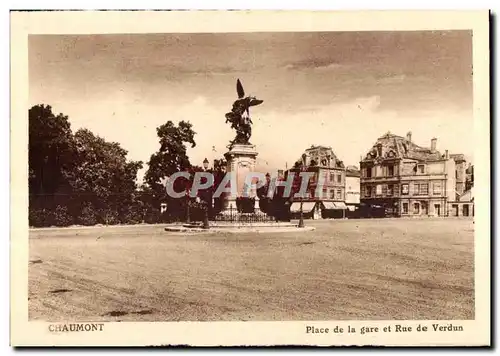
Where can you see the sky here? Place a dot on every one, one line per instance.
(338, 89)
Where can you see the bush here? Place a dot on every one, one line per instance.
(40, 217)
(88, 216)
(245, 205)
(108, 217)
(132, 216)
(61, 216)
(153, 216)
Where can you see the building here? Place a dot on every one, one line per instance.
(463, 204)
(326, 193)
(469, 180)
(352, 188)
(409, 180)
(460, 173)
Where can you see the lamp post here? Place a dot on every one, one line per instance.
(188, 213)
(301, 219)
(206, 225)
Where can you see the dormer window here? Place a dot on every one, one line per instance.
(390, 171)
(421, 169)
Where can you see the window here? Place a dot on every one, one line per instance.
(390, 171)
(368, 172)
(332, 177)
(405, 189)
(436, 188)
(390, 189)
(339, 178)
(368, 191)
(405, 208)
(379, 189)
(332, 194)
(421, 189)
(421, 169)
(416, 208)
(339, 194)
(384, 189)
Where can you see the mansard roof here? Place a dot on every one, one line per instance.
(458, 157)
(322, 156)
(352, 172)
(390, 146)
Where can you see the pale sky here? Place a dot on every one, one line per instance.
(339, 89)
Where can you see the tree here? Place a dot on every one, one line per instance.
(170, 158)
(103, 178)
(172, 155)
(76, 178)
(263, 195)
(51, 158)
(219, 172)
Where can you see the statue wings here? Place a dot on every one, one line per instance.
(254, 102)
(239, 90)
(251, 100)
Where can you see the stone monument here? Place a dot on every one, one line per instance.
(241, 157)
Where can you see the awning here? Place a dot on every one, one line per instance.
(340, 205)
(306, 207)
(330, 205)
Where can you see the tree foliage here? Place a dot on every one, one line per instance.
(76, 178)
(51, 157)
(170, 158)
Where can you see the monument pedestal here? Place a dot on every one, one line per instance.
(241, 160)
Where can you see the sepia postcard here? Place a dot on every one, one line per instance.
(250, 178)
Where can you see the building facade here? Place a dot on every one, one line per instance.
(326, 193)
(460, 173)
(469, 174)
(407, 179)
(352, 188)
(463, 204)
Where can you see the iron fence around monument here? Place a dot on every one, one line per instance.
(232, 215)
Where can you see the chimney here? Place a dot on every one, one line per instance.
(408, 136)
(433, 144)
(446, 155)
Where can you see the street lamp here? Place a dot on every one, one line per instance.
(188, 213)
(206, 225)
(301, 220)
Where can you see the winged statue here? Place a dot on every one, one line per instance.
(239, 116)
